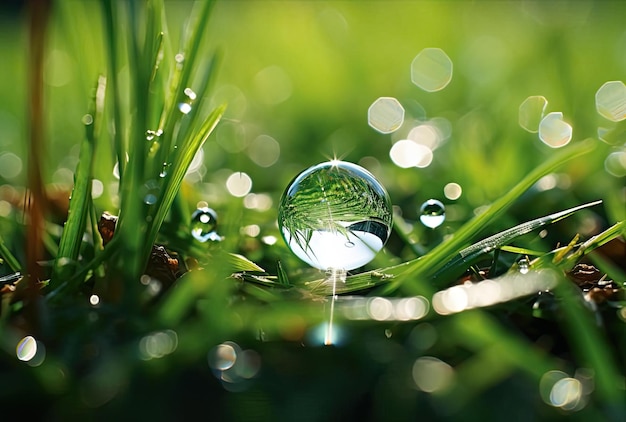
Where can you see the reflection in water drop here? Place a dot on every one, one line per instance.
(531, 112)
(432, 213)
(329, 206)
(431, 69)
(553, 131)
(204, 224)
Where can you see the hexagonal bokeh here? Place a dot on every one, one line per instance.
(611, 101)
(385, 115)
(553, 131)
(431, 69)
(531, 112)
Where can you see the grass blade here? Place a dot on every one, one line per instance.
(182, 161)
(80, 202)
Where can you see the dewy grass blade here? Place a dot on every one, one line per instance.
(80, 202)
(469, 254)
(575, 253)
(414, 270)
(182, 161)
(180, 78)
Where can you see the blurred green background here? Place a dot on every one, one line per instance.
(303, 74)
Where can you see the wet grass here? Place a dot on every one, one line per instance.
(134, 317)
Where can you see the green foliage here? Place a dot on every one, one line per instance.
(270, 88)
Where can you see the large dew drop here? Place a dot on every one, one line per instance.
(335, 215)
(432, 213)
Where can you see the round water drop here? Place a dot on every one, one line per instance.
(523, 265)
(432, 213)
(335, 215)
(185, 106)
(203, 224)
(151, 192)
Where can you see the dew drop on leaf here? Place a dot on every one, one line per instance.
(523, 265)
(432, 213)
(335, 215)
(204, 224)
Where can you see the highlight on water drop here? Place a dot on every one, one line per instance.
(432, 213)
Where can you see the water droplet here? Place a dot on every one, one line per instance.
(203, 224)
(523, 265)
(611, 101)
(330, 206)
(87, 119)
(385, 115)
(151, 134)
(151, 192)
(185, 106)
(432, 213)
(431, 69)
(164, 169)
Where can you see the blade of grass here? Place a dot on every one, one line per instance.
(80, 202)
(591, 348)
(415, 270)
(174, 178)
(8, 257)
(181, 76)
(114, 68)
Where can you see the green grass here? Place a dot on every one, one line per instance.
(113, 342)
